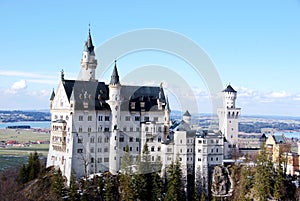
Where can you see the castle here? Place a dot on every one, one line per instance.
(93, 122)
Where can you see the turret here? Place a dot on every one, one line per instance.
(115, 105)
(187, 117)
(88, 62)
(229, 97)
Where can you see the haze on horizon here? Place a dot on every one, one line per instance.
(254, 45)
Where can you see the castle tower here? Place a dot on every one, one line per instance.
(187, 117)
(228, 121)
(88, 61)
(115, 104)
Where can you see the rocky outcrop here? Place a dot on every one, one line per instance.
(222, 184)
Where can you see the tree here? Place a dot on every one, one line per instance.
(280, 178)
(31, 170)
(73, 195)
(175, 190)
(57, 185)
(263, 175)
(126, 185)
(143, 179)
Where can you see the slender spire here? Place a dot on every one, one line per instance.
(62, 75)
(89, 43)
(115, 76)
(52, 95)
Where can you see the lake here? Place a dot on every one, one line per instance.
(32, 124)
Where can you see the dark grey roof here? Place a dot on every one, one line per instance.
(52, 95)
(87, 94)
(187, 114)
(229, 89)
(90, 45)
(279, 139)
(140, 94)
(115, 76)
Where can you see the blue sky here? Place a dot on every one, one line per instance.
(254, 45)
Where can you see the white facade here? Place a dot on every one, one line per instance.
(93, 122)
(229, 121)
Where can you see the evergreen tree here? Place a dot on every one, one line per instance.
(73, 196)
(126, 185)
(279, 184)
(263, 175)
(57, 185)
(157, 187)
(23, 175)
(175, 189)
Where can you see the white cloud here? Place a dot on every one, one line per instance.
(16, 87)
(19, 85)
(280, 94)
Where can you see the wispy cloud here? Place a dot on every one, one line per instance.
(25, 74)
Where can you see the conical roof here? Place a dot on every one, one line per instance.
(187, 114)
(115, 76)
(229, 89)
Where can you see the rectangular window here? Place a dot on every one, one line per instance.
(127, 118)
(106, 118)
(136, 118)
(159, 139)
(142, 104)
(89, 129)
(80, 118)
(100, 118)
(121, 139)
(106, 160)
(146, 118)
(105, 149)
(106, 139)
(132, 105)
(99, 160)
(137, 129)
(155, 119)
(130, 148)
(106, 129)
(124, 129)
(137, 148)
(99, 139)
(137, 139)
(131, 139)
(79, 140)
(169, 150)
(90, 118)
(99, 150)
(92, 149)
(199, 159)
(80, 129)
(92, 139)
(131, 129)
(79, 150)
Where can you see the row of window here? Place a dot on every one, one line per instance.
(89, 129)
(211, 151)
(131, 139)
(92, 140)
(159, 129)
(211, 159)
(151, 139)
(90, 118)
(211, 141)
(61, 117)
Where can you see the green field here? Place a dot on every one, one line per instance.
(16, 156)
(23, 135)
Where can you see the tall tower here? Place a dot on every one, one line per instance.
(115, 105)
(228, 121)
(88, 61)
